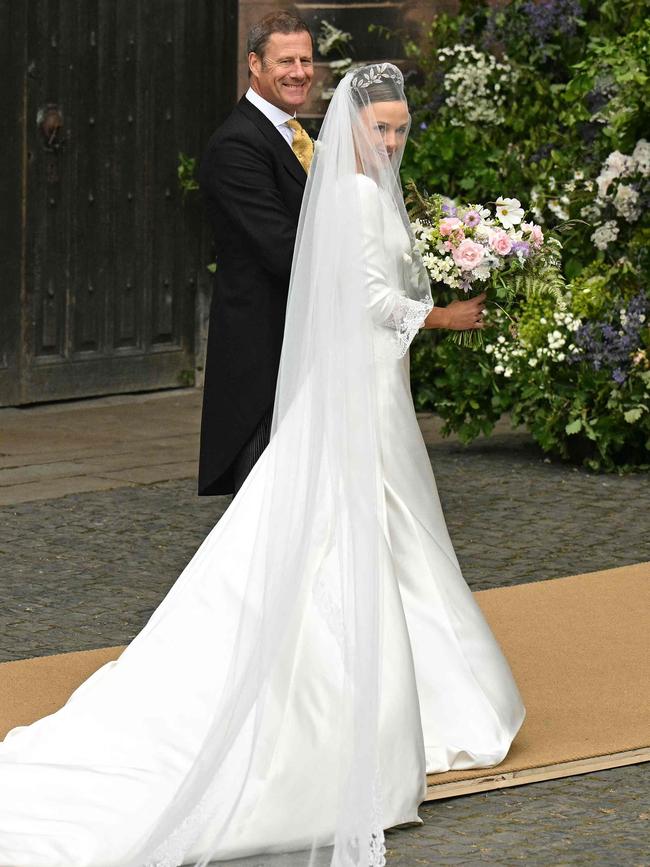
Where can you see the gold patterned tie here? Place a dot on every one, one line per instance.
(302, 146)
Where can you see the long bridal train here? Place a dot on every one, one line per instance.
(129, 733)
(127, 736)
(321, 652)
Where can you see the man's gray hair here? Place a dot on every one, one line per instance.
(275, 22)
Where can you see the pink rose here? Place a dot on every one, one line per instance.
(468, 254)
(500, 242)
(448, 224)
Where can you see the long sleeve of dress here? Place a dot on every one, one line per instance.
(388, 302)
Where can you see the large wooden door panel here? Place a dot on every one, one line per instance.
(111, 91)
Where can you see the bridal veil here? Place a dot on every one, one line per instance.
(324, 452)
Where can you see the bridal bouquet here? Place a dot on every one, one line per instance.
(471, 249)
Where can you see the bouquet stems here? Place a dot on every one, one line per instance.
(471, 339)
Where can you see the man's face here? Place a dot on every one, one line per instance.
(284, 77)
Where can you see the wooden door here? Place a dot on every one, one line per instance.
(101, 262)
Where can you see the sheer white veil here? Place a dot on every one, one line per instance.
(318, 541)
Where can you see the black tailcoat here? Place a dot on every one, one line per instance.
(253, 185)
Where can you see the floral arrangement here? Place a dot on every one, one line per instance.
(476, 85)
(571, 138)
(471, 248)
(608, 204)
(579, 375)
(576, 373)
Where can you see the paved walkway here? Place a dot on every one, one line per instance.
(98, 515)
(97, 445)
(106, 443)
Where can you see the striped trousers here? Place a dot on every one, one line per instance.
(252, 449)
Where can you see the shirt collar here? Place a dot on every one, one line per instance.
(276, 115)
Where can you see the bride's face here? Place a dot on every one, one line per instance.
(387, 124)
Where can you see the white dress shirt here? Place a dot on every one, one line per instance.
(276, 115)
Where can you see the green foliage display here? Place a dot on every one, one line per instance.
(548, 101)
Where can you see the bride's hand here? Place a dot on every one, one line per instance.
(459, 315)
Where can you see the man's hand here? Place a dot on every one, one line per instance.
(459, 315)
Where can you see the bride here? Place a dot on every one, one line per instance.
(321, 652)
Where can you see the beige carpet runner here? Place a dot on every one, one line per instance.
(579, 648)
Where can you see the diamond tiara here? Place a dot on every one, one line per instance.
(375, 73)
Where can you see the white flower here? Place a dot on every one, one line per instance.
(489, 349)
(509, 211)
(532, 362)
(590, 212)
(501, 339)
(482, 272)
(555, 339)
(605, 234)
(499, 368)
(626, 202)
(618, 164)
(507, 372)
(603, 181)
(641, 156)
(555, 208)
(542, 320)
(330, 36)
(475, 85)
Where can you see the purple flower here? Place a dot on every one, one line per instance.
(472, 218)
(538, 24)
(611, 347)
(449, 209)
(522, 247)
(424, 125)
(548, 17)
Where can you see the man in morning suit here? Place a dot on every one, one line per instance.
(253, 176)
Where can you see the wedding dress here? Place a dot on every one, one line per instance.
(321, 652)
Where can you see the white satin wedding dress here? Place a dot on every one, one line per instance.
(79, 788)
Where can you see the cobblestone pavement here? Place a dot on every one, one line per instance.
(600, 820)
(86, 570)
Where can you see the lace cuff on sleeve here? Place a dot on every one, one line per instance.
(406, 318)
